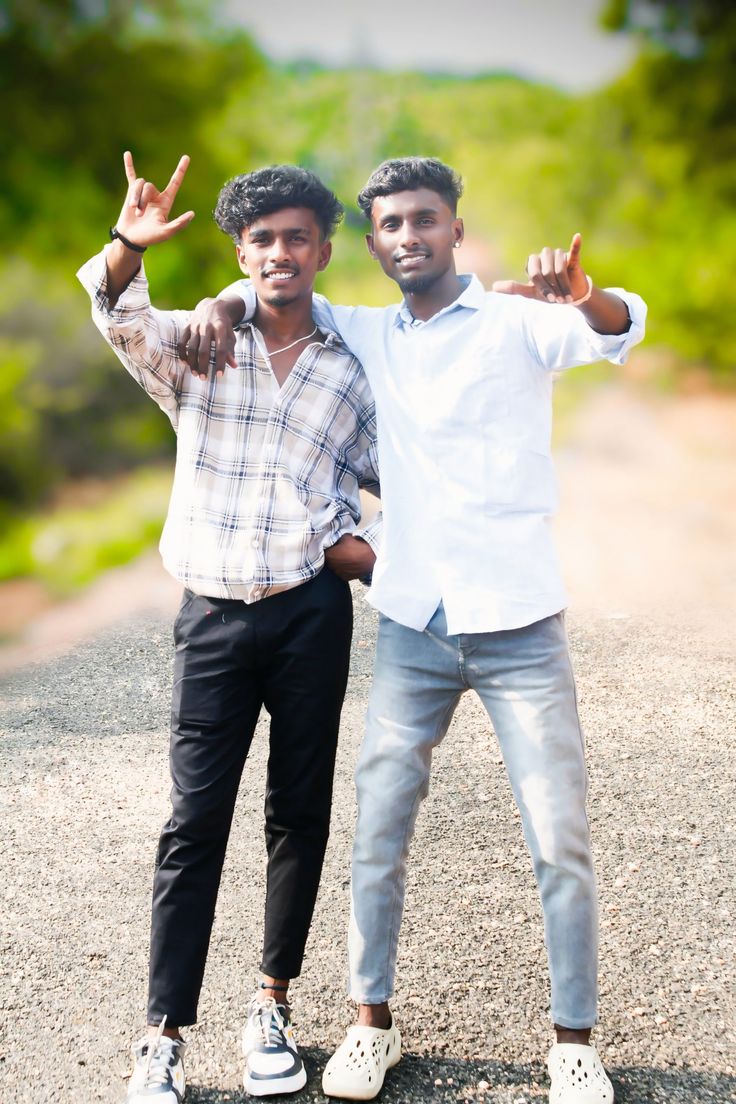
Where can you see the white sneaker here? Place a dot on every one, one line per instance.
(577, 1076)
(272, 1062)
(158, 1074)
(357, 1068)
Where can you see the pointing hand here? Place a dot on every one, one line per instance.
(554, 276)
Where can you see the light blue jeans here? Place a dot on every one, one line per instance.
(525, 681)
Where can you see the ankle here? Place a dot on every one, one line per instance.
(274, 988)
(167, 1033)
(579, 1036)
(374, 1015)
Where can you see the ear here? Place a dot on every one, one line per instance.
(325, 252)
(240, 254)
(458, 231)
(369, 243)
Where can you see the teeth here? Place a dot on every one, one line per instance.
(281, 275)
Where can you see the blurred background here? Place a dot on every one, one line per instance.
(613, 118)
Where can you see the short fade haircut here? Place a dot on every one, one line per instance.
(408, 174)
(250, 196)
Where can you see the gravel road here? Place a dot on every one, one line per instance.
(84, 793)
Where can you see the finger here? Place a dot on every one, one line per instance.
(149, 193)
(224, 348)
(129, 166)
(184, 337)
(177, 176)
(178, 223)
(534, 271)
(552, 288)
(561, 274)
(544, 291)
(135, 191)
(573, 256)
(192, 353)
(513, 287)
(206, 342)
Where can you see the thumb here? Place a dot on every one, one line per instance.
(180, 222)
(513, 287)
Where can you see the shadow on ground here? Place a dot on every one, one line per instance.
(419, 1079)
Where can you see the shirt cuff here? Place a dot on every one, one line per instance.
(131, 302)
(616, 347)
(371, 533)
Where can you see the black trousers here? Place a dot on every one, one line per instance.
(289, 652)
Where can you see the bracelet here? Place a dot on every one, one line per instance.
(115, 233)
(583, 298)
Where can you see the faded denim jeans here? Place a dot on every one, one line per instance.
(525, 681)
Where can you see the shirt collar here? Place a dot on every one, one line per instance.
(471, 297)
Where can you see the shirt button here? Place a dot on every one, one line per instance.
(255, 543)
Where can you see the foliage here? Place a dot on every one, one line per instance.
(68, 546)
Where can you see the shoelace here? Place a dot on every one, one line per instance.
(158, 1059)
(270, 1022)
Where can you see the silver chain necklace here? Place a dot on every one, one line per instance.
(275, 352)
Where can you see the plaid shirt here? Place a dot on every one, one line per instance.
(266, 478)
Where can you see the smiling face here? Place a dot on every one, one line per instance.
(414, 234)
(283, 252)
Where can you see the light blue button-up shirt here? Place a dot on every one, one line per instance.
(464, 410)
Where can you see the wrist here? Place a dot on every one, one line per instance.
(585, 296)
(232, 307)
(134, 247)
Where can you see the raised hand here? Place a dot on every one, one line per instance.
(555, 276)
(144, 219)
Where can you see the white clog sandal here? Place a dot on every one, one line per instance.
(357, 1068)
(577, 1076)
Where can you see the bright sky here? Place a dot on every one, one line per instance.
(548, 40)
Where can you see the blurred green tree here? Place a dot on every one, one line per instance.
(81, 82)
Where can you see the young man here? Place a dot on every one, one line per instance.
(269, 461)
(467, 585)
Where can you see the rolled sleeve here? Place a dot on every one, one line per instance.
(144, 339)
(616, 347)
(132, 302)
(371, 533)
(560, 336)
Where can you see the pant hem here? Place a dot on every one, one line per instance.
(277, 972)
(154, 1019)
(574, 1023)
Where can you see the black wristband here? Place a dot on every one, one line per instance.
(115, 233)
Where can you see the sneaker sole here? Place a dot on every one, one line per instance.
(272, 1086)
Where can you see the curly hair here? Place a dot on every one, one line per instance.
(250, 196)
(408, 174)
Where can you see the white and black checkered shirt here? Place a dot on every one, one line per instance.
(266, 478)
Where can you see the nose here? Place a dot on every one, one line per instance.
(408, 238)
(279, 252)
